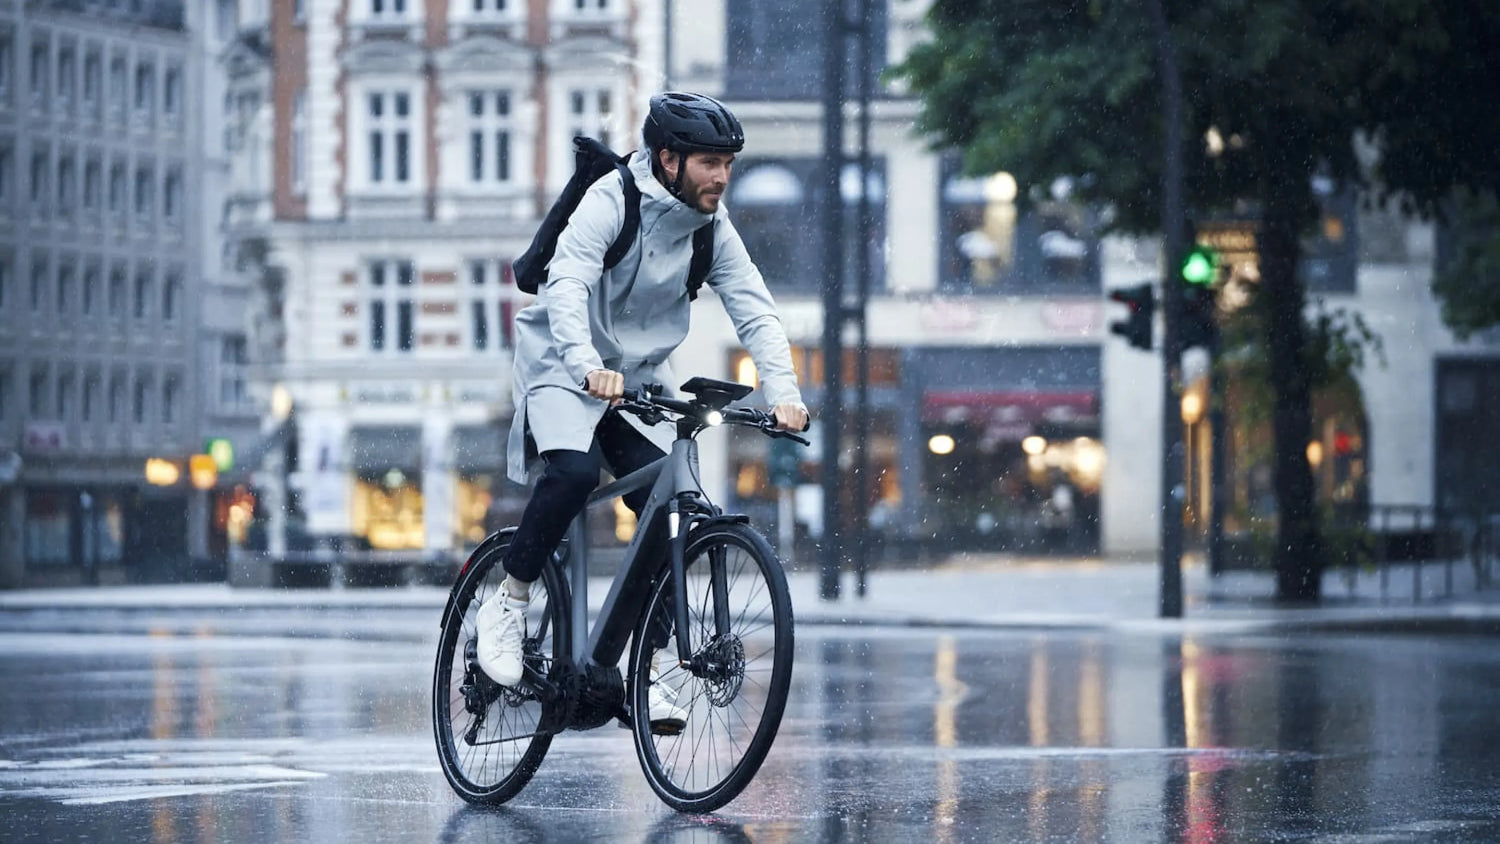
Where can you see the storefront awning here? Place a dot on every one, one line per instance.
(478, 448)
(380, 449)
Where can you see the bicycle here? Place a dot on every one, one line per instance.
(692, 575)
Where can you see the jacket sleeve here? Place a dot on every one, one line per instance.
(739, 285)
(574, 274)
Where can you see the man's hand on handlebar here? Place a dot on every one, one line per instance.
(790, 417)
(605, 384)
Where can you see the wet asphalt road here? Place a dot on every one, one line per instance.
(280, 725)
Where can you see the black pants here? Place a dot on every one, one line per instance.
(564, 487)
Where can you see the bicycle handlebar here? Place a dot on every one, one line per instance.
(648, 404)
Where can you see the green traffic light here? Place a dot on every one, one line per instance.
(1200, 266)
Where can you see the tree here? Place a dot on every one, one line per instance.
(1468, 282)
(1283, 88)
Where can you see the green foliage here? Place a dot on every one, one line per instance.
(1469, 281)
(1048, 88)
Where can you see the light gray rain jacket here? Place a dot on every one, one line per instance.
(630, 318)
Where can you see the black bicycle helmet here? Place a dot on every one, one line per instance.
(685, 123)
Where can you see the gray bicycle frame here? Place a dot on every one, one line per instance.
(661, 529)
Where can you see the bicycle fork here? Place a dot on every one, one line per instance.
(681, 515)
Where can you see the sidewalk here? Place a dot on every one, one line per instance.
(985, 592)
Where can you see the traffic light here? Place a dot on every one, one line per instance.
(1201, 267)
(1141, 300)
(1200, 317)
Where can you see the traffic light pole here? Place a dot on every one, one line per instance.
(1173, 251)
(832, 411)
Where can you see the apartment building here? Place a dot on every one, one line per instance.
(392, 157)
(102, 186)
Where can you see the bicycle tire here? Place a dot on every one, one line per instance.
(490, 740)
(733, 714)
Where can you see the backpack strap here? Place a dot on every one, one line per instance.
(703, 259)
(632, 224)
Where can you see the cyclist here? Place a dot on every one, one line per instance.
(592, 333)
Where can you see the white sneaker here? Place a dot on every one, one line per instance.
(502, 626)
(667, 718)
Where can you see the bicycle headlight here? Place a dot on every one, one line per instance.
(713, 417)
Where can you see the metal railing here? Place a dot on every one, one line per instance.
(1440, 551)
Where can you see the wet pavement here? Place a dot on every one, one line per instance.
(285, 723)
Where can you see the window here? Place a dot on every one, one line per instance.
(117, 89)
(39, 181)
(169, 392)
(38, 398)
(6, 57)
(489, 137)
(66, 73)
(66, 384)
(90, 293)
(90, 398)
(117, 398)
(66, 179)
(299, 11)
(4, 280)
(143, 288)
(171, 96)
(117, 292)
(171, 197)
(91, 186)
(117, 189)
(589, 112)
(145, 197)
(233, 360)
(92, 70)
(39, 74)
(390, 296)
(138, 406)
(65, 278)
(299, 143)
(170, 293)
(145, 92)
(988, 244)
(5, 160)
(390, 138)
(773, 54)
(589, 7)
(38, 285)
(489, 300)
(387, 9)
(4, 393)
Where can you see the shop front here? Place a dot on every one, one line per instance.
(386, 504)
(966, 449)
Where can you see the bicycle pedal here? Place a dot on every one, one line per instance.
(667, 727)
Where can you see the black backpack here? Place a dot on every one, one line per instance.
(592, 160)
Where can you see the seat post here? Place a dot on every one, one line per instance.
(578, 583)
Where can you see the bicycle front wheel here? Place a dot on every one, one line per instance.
(731, 697)
(491, 738)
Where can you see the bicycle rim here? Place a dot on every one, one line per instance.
(733, 711)
(490, 740)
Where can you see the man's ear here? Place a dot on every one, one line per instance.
(668, 161)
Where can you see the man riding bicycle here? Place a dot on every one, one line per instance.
(593, 332)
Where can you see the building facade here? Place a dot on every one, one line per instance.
(392, 158)
(990, 327)
(102, 241)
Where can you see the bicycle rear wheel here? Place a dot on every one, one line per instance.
(734, 696)
(490, 739)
